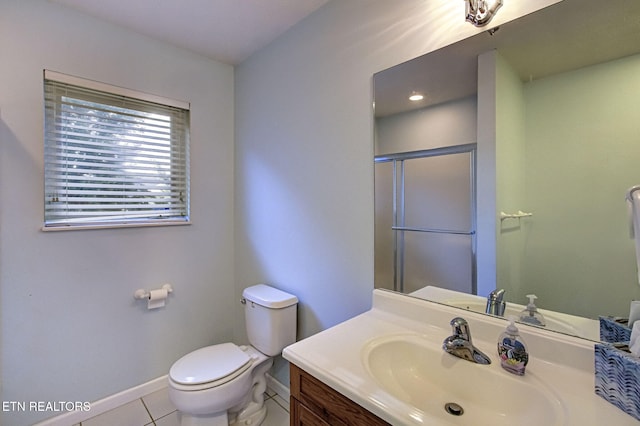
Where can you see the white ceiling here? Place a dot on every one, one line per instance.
(226, 30)
(565, 36)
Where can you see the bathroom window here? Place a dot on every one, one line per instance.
(112, 156)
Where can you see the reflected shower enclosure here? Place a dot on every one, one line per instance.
(425, 219)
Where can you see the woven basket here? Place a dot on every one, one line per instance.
(618, 377)
(614, 330)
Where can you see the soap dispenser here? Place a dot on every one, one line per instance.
(530, 314)
(512, 349)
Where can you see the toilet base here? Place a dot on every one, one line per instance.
(254, 419)
(253, 411)
(254, 414)
(220, 419)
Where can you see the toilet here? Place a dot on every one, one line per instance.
(224, 384)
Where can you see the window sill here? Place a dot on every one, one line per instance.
(62, 227)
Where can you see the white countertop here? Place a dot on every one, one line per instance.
(335, 356)
(557, 321)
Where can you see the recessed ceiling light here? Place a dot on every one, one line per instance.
(416, 97)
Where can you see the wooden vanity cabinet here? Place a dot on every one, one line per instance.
(315, 404)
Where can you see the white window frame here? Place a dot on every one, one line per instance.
(153, 186)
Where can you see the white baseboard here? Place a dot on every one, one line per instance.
(278, 387)
(106, 404)
(128, 395)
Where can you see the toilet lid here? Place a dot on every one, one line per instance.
(209, 364)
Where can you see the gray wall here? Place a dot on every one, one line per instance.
(71, 329)
(582, 142)
(304, 148)
(510, 178)
(303, 173)
(564, 150)
(446, 124)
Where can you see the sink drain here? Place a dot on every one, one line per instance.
(454, 409)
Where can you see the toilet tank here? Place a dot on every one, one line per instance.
(271, 317)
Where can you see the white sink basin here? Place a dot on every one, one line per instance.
(417, 371)
(390, 361)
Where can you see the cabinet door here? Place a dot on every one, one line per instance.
(318, 404)
(302, 416)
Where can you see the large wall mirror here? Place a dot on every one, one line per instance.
(512, 170)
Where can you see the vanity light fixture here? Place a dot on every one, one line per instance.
(480, 12)
(415, 97)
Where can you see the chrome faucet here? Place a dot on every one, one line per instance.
(460, 344)
(495, 303)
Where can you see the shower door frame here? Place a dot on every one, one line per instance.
(399, 227)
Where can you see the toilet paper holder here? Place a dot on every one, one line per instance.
(144, 294)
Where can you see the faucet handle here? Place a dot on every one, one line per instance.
(496, 295)
(460, 345)
(460, 328)
(495, 303)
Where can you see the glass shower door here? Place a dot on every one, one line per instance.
(425, 220)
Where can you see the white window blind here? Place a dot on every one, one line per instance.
(113, 159)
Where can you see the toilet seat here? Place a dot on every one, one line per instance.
(209, 367)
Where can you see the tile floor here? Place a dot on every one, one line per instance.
(156, 410)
